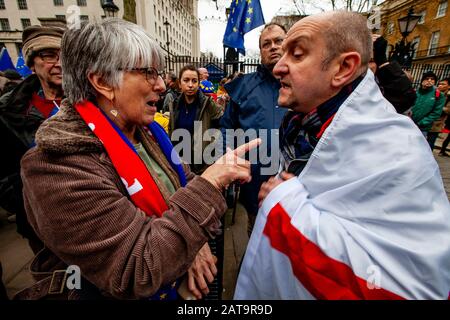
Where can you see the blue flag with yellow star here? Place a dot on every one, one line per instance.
(245, 15)
(21, 68)
(5, 60)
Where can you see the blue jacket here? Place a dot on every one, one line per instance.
(254, 105)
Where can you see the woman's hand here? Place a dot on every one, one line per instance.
(202, 271)
(231, 167)
(273, 182)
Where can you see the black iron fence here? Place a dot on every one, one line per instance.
(217, 68)
(220, 68)
(441, 70)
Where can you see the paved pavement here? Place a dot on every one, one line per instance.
(15, 255)
(444, 166)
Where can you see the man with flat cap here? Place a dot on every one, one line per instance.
(21, 113)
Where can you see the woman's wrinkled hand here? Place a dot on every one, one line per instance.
(273, 182)
(202, 271)
(231, 167)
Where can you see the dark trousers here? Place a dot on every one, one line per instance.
(431, 138)
(445, 144)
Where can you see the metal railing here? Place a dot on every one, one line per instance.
(217, 68)
(417, 70)
(432, 52)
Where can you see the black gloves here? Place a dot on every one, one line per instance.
(379, 51)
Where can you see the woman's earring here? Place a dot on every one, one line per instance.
(114, 112)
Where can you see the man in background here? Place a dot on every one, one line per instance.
(172, 91)
(444, 88)
(428, 107)
(22, 111)
(253, 105)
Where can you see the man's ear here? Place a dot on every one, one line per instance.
(100, 86)
(346, 66)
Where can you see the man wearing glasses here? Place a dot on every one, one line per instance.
(21, 113)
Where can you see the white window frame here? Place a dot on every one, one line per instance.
(434, 43)
(442, 9)
(415, 40)
(423, 14)
(390, 27)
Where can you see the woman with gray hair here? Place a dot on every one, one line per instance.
(103, 188)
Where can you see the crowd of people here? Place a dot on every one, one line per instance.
(93, 177)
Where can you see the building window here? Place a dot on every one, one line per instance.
(25, 23)
(60, 17)
(58, 3)
(390, 28)
(415, 46)
(4, 24)
(2, 5)
(442, 9)
(422, 17)
(81, 3)
(434, 42)
(22, 4)
(84, 18)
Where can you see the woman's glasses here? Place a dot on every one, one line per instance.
(151, 74)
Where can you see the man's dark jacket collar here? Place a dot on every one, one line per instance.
(239, 88)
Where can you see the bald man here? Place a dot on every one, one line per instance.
(204, 75)
(358, 210)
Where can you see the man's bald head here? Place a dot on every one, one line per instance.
(203, 73)
(342, 31)
(322, 54)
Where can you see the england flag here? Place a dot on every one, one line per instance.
(368, 217)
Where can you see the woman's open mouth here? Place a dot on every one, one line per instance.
(152, 105)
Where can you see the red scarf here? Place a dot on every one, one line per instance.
(140, 185)
(46, 107)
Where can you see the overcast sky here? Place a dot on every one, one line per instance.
(213, 24)
(213, 21)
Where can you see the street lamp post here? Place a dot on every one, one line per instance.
(167, 25)
(110, 8)
(403, 50)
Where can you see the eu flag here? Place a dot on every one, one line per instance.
(5, 60)
(245, 15)
(21, 67)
